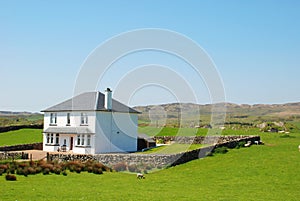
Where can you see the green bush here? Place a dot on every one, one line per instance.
(12, 170)
(240, 144)
(20, 171)
(220, 150)
(97, 171)
(46, 171)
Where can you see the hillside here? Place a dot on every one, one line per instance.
(8, 118)
(168, 114)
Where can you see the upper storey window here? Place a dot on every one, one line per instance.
(53, 118)
(84, 119)
(68, 119)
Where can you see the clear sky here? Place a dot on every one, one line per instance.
(255, 46)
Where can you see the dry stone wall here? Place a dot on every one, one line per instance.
(159, 160)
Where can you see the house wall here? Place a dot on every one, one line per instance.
(116, 132)
(75, 121)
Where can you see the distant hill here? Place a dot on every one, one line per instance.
(235, 113)
(9, 113)
(8, 118)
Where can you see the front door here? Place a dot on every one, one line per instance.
(71, 143)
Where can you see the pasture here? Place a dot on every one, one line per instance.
(22, 136)
(263, 172)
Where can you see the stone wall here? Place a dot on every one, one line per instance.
(199, 139)
(13, 155)
(158, 160)
(33, 146)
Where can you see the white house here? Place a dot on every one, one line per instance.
(90, 123)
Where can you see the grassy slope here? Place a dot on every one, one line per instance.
(22, 136)
(167, 131)
(173, 148)
(268, 172)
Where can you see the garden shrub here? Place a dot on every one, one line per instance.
(12, 170)
(78, 170)
(31, 170)
(38, 170)
(64, 173)
(1, 172)
(20, 171)
(10, 177)
(220, 150)
(23, 165)
(97, 171)
(89, 169)
(240, 144)
(3, 167)
(57, 170)
(46, 171)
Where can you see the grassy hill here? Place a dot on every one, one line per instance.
(199, 115)
(8, 118)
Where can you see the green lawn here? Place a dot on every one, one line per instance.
(264, 172)
(173, 148)
(167, 131)
(22, 136)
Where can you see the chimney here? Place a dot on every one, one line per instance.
(108, 99)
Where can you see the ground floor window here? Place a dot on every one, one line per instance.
(83, 140)
(50, 138)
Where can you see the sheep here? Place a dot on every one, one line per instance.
(248, 144)
(140, 176)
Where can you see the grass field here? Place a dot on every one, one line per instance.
(167, 131)
(264, 172)
(173, 148)
(22, 136)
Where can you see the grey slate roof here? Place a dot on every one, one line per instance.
(89, 101)
(69, 130)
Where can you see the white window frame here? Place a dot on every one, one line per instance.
(52, 139)
(68, 119)
(53, 118)
(83, 140)
(84, 119)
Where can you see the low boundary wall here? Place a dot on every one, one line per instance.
(13, 128)
(21, 147)
(161, 160)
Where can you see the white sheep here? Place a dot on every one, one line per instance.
(140, 176)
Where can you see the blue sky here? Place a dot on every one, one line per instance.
(255, 46)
